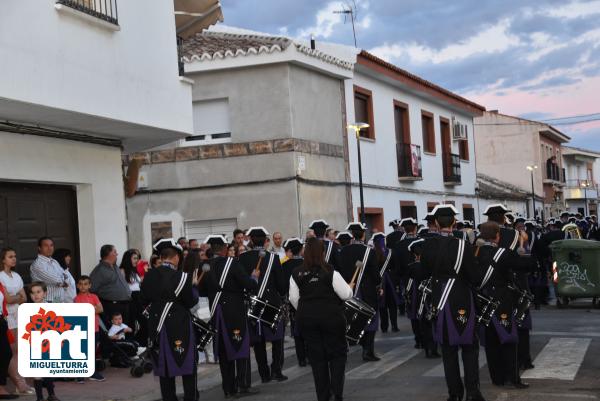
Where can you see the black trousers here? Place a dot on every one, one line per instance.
(388, 312)
(5, 352)
(168, 388)
(260, 353)
(501, 359)
(368, 342)
(426, 332)
(299, 342)
(415, 324)
(470, 359)
(137, 321)
(523, 348)
(235, 374)
(327, 349)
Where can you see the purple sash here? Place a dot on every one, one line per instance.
(505, 336)
(166, 365)
(222, 332)
(445, 319)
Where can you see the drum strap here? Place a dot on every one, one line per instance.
(221, 284)
(385, 264)
(362, 269)
(263, 285)
(168, 305)
(515, 241)
(328, 253)
(490, 270)
(409, 284)
(450, 283)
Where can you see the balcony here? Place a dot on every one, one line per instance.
(451, 168)
(105, 10)
(554, 174)
(576, 189)
(408, 158)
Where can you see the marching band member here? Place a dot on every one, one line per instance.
(170, 295)
(344, 238)
(293, 249)
(431, 229)
(267, 267)
(332, 250)
(453, 274)
(395, 235)
(225, 285)
(369, 280)
(389, 300)
(317, 292)
(501, 335)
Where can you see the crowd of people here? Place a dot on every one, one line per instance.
(436, 274)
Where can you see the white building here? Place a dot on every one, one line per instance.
(581, 178)
(85, 80)
(418, 151)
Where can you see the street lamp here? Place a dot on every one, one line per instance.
(357, 126)
(585, 184)
(531, 168)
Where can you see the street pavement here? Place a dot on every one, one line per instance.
(565, 345)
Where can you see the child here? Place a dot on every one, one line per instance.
(86, 297)
(37, 293)
(117, 333)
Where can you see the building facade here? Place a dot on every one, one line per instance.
(90, 80)
(526, 154)
(581, 185)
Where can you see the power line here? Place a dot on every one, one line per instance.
(571, 117)
(523, 122)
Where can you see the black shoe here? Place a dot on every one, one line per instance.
(8, 396)
(518, 385)
(431, 354)
(418, 346)
(265, 379)
(302, 363)
(475, 398)
(246, 391)
(384, 330)
(370, 357)
(279, 377)
(526, 366)
(454, 398)
(395, 329)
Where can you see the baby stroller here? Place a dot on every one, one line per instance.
(137, 359)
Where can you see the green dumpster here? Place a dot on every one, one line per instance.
(576, 267)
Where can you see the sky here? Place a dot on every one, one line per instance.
(538, 59)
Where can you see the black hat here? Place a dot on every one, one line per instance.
(530, 223)
(356, 226)
(520, 220)
(167, 243)
(257, 232)
(394, 223)
(496, 208)
(444, 210)
(467, 224)
(318, 224)
(378, 235)
(344, 235)
(564, 214)
(292, 243)
(416, 244)
(429, 217)
(407, 222)
(215, 240)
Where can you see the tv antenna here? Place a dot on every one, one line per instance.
(349, 10)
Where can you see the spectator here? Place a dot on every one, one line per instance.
(231, 251)
(239, 239)
(6, 340)
(192, 261)
(239, 250)
(110, 285)
(277, 246)
(118, 334)
(310, 234)
(39, 294)
(86, 297)
(63, 257)
(14, 296)
(48, 271)
(183, 242)
(193, 244)
(136, 308)
(155, 261)
(330, 234)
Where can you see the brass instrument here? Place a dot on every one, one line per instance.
(572, 230)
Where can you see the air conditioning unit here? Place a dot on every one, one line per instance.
(460, 131)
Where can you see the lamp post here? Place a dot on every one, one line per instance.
(531, 168)
(585, 184)
(357, 126)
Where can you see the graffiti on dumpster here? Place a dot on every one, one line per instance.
(575, 275)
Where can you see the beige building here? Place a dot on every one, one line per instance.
(523, 153)
(581, 175)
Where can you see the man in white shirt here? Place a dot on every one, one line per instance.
(277, 246)
(47, 270)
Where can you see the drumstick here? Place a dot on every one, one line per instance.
(261, 255)
(359, 265)
(205, 269)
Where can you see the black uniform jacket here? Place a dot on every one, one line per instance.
(275, 288)
(349, 255)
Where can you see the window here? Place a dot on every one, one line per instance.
(431, 205)
(463, 149)
(211, 123)
(401, 122)
(428, 132)
(102, 9)
(408, 209)
(468, 212)
(161, 229)
(363, 111)
(200, 229)
(373, 219)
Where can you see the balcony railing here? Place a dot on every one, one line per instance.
(102, 9)
(409, 161)
(180, 64)
(555, 173)
(451, 168)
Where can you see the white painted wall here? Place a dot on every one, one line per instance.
(379, 157)
(55, 59)
(94, 170)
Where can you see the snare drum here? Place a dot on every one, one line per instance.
(486, 307)
(524, 301)
(358, 316)
(259, 310)
(204, 332)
